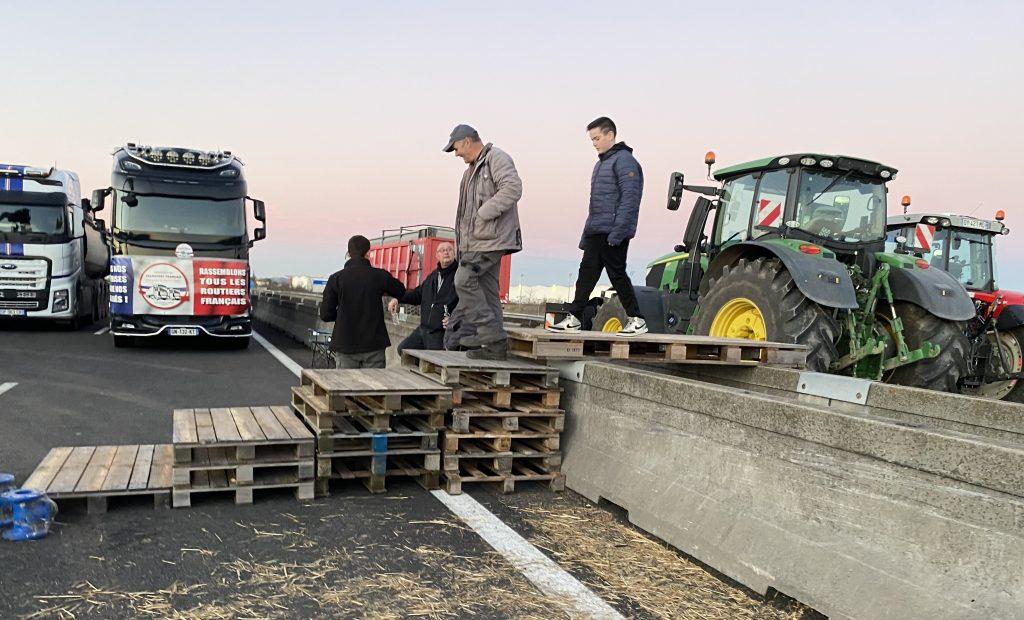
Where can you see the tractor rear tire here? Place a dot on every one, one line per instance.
(788, 315)
(1016, 395)
(610, 317)
(943, 372)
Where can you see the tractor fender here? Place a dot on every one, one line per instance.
(1011, 317)
(821, 279)
(934, 290)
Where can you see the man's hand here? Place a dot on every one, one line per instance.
(444, 322)
(393, 306)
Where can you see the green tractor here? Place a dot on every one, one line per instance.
(795, 253)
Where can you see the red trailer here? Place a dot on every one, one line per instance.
(409, 253)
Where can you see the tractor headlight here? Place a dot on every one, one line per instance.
(825, 163)
(783, 161)
(932, 220)
(808, 161)
(61, 303)
(885, 174)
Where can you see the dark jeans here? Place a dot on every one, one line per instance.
(598, 255)
(421, 339)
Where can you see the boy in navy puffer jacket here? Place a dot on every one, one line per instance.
(616, 186)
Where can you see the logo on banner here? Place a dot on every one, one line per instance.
(163, 286)
(769, 213)
(184, 250)
(924, 235)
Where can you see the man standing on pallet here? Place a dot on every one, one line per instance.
(616, 186)
(436, 298)
(352, 299)
(486, 228)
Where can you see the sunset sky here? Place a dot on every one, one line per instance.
(340, 110)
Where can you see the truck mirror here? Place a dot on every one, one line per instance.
(86, 205)
(259, 210)
(675, 191)
(99, 225)
(98, 199)
(130, 199)
(258, 235)
(695, 226)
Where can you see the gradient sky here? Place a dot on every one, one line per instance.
(340, 109)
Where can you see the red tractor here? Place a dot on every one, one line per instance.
(963, 246)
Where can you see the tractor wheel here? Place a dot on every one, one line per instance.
(758, 300)
(1016, 393)
(938, 373)
(610, 317)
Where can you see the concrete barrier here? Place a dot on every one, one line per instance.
(910, 505)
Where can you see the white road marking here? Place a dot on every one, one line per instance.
(101, 331)
(6, 387)
(542, 571)
(288, 362)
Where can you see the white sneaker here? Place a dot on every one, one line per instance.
(635, 326)
(568, 325)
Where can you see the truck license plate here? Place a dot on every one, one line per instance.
(183, 331)
(9, 312)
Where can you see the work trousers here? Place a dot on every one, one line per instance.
(373, 359)
(598, 255)
(476, 282)
(421, 339)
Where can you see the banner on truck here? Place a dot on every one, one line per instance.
(178, 286)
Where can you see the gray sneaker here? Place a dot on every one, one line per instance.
(635, 326)
(569, 325)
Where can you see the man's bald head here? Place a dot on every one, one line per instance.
(445, 254)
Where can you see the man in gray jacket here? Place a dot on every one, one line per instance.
(486, 229)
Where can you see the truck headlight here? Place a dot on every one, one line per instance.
(60, 301)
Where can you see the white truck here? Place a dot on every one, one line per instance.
(53, 260)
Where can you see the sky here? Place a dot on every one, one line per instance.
(340, 109)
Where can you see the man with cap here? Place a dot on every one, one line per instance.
(352, 299)
(486, 229)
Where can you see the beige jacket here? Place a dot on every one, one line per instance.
(488, 217)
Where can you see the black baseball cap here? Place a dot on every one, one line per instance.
(460, 132)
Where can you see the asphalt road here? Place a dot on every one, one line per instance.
(398, 554)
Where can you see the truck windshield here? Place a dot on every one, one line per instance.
(20, 220)
(840, 208)
(179, 216)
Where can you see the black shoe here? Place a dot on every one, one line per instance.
(493, 351)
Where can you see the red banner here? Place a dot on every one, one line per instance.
(221, 287)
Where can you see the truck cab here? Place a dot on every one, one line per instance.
(180, 244)
(52, 258)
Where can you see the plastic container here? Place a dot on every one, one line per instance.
(6, 484)
(32, 513)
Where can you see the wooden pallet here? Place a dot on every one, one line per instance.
(552, 418)
(239, 435)
(485, 432)
(522, 471)
(221, 459)
(356, 437)
(384, 390)
(99, 473)
(472, 451)
(374, 471)
(454, 368)
(218, 481)
(502, 397)
(537, 343)
(314, 409)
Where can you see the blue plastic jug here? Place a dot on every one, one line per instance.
(6, 484)
(32, 512)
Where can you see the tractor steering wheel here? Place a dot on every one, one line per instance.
(818, 224)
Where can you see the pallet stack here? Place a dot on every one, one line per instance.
(240, 450)
(506, 423)
(373, 424)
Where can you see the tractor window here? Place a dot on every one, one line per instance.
(771, 202)
(734, 210)
(970, 260)
(841, 208)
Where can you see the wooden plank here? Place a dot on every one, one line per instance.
(71, 472)
(143, 465)
(160, 472)
(120, 472)
(269, 423)
(204, 427)
(224, 426)
(296, 429)
(185, 426)
(96, 471)
(47, 469)
(248, 428)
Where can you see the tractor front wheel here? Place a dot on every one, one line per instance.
(756, 299)
(610, 317)
(942, 372)
(1016, 393)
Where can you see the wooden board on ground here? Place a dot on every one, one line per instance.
(381, 389)
(522, 471)
(454, 368)
(218, 481)
(97, 473)
(239, 435)
(538, 343)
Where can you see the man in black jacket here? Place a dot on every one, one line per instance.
(437, 298)
(352, 299)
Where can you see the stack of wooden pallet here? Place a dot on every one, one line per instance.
(240, 450)
(373, 424)
(506, 423)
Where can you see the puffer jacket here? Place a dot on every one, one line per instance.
(488, 216)
(616, 186)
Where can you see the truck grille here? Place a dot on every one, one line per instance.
(27, 274)
(19, 305)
